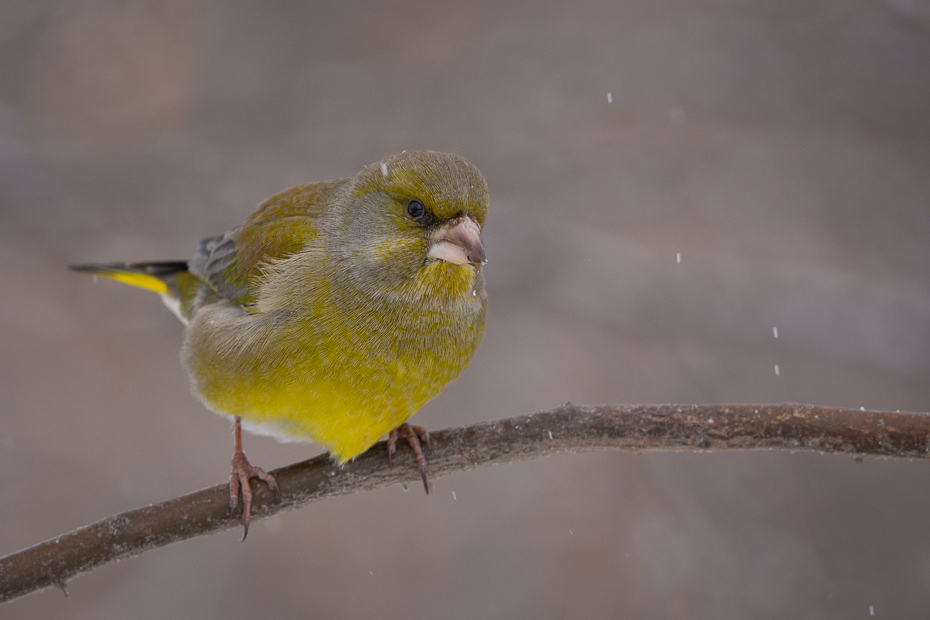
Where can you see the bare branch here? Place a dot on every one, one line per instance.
(569, 428)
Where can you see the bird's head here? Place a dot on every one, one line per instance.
(414, 225)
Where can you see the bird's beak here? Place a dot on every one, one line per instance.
(458, 241)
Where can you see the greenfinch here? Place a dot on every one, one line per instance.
(336, 310)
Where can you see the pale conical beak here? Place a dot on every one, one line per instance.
(458, 241)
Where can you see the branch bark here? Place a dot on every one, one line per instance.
(569, 428)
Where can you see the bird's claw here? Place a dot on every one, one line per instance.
(414, 435)
(242, 473)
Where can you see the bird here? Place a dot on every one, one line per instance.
(335, 311)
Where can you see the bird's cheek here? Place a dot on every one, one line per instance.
(397, 258)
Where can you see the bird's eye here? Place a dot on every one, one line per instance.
(415, 209)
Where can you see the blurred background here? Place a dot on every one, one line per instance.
(782, 150)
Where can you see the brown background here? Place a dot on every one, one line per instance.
(782, 148)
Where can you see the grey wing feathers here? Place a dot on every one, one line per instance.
(215, 262)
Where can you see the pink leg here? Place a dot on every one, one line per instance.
(414, 435)
(242, 472)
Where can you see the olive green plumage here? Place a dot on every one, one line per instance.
(337, 309)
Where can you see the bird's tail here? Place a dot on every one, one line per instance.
(155, 276)
(171, 279)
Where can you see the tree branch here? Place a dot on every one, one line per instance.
(569, 428)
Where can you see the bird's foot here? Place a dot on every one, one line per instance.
(242, 472)
(414, 435)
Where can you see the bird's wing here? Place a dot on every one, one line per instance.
(231, 264)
